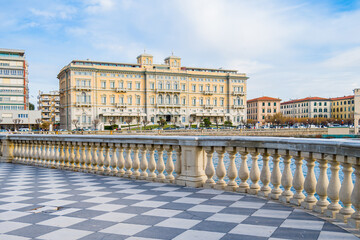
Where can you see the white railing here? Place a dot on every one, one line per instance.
(201, 162)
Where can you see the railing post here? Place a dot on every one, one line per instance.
(286, 179)
(310, 182)
(322, 185)
(87, 164)
(143, 162)
(121, 160)
(275, 176)
(72, 155)
(77, 155)
(243, 171)
(160, 166)
(192, 165)
(345, 191)
(265, 174)
(209, 169)
(254, 172)
(220, 169)
(135, 162)
(152, 163)
(128, 163)
(169, 167)
(354, 221)
(95, 158)
(101, 158)
(67, 154)
(107, 168)
(113, 159)
(298, 180)
(62, 155)
(232, 171)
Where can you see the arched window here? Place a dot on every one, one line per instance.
(83, 97)
(208, 101)
(176, 99)
(160, 85)
(121, 84)
(176, 85)
(201, 101)
(167, 99)
(129, 100)
(167, 85)
(238, 101)
(160, 99)
(183, 101)
(194, 101)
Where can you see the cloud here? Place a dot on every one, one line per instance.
(57, 11)
(95, 6)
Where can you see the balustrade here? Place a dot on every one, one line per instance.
(202, 161)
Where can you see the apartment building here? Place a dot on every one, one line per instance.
(49, 105)
(145, 91)
(13, 80)
(357, 110)
(310, 107)
(342, 107)
(262, 108)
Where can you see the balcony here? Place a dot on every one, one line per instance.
(236, 93)
(208, 92)
(120, 90)
(83, 104)
(120, 105)
(164, 105)
(208, 106)
(83, 88)
(168, 90)
(238, 106)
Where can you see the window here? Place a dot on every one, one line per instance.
(201, 88)
(215, 88)
(221, 102)
(183, 87)
(112, 84)
(152, 100)
(103, 99)
(201, 101)
(129, 85)
(112, 99)
(137, 100)
(129, 100)
(121, 99)
(183, 101)
(152, 85)
(160, 85)
(121, 84)
(221, 89)
(269, 104)
(137, 85)
(103, 84)
(194, 101)
(168, 85)
(193, 87)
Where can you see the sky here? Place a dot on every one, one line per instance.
(288, 48)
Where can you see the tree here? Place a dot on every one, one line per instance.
(16, 122)
(45, 125)
(277, 119)
(217, 122)
(112, 122)
(228, 123)
(207, 122)
(129, 120)
(162, 122)
(145, 123)
(31, 106)
(75, 122)
(38, 122)
(95, 122)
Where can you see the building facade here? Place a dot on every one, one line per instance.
(261, 109)
(16, 119)
(49, 105)
(342, 107)
(357, 110)
(145, 91)
(13, 80)
(311, 107)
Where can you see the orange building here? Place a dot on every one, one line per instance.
(260, 109)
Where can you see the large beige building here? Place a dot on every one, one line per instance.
(49, 105)
(14, 91)
(310, 107)
(342, 107)
(261, 109)
(146, 91)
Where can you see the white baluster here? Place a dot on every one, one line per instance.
(160, 166)
(298, 181)
(94, 159)
(83, 163)
(265, 174)
(52, 154)
(15, 151)
(209, 169)
(77, 155)
(88, 157)
(62, 154)
(254, 172)
(275, 176)
(121, 160)
(135, 162)
(67, 155)
(345, 192)
(243, 171)
(310, 183)
(354, 221)
(113, 160)
(31, 153)
(169, 167)
(143, 162)
(101, 158)
(26, 155)
(107, 159)
(232, 171)
(286, 179)
(178, 161)
(72, 155)
(128, 163)
(322, 185)
(152, 163)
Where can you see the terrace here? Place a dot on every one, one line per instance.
(164, 187)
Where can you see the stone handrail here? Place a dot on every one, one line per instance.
(194, 164)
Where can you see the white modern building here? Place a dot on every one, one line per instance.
(10, 120)
(310, 107)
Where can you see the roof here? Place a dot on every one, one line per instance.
(342, 98)
(264, 98)
(11, 50)
(145, 55)
(306, 100)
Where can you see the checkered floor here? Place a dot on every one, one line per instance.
(40, 203)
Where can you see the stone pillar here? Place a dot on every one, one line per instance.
(322, 185)
(354, 221)
(243, 171)
(286, 179)
(192, 167)
(265, 174)
(232, 171)
(310, 183)
(7, 151)
(254, 172)
(209, 169)
(220, 169)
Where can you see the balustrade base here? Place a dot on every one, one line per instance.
(331, 213)
(253, 191)
(274, 196)
(190, 181)
(319, 209)
(242, 190)
(355, 223)
(285, 199)
(220, 186)
(209, 185)
(342, 217)
(263, 194)
(308, 205)
(231, 188)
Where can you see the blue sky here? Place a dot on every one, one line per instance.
(289, 49)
